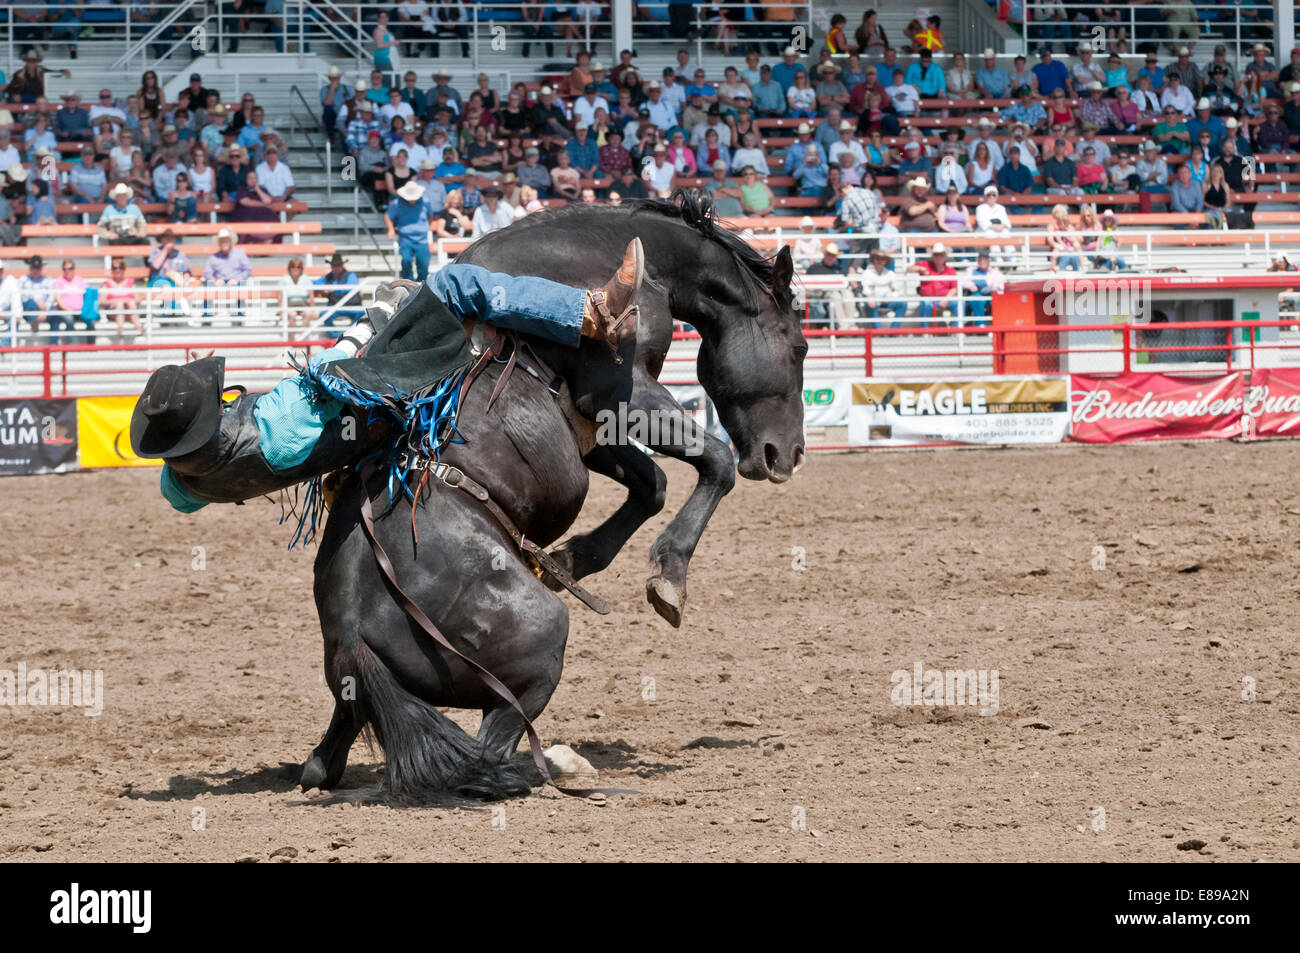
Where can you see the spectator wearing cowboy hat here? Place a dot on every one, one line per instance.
(495, 213)
(882, 290)
(72, 121)
(918, 213)
(275, 175)
(121, 222)
(834, 309)
(407, 220)
(938, 288)
(228, 265)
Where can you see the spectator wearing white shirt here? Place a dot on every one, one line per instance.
(415, 153)
(164, 175)
(395, 107)
(713, 120)
(11, 307)
(674, 93)
(986, 136)
(9, 154)
(274, 176)
(750, 154)
(585, 106)
(904, 97)
(106, 107)
(1177, 95)
(493, 212)
(991, 218)
(948, 174)
(658, 173)
(847, 144)
(661, 113)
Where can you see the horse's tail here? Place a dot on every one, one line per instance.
(427, 755)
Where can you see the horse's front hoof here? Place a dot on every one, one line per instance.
(313, 774)
(668, 600)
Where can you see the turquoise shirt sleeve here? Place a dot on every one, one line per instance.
(176, 495)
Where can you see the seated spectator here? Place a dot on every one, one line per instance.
(830, 89)
(495, 214)
(182, 204)
(107, 108)
(339, 288)
(981, 281)
(1063, 240)
(227, 267)
(566, 181)
(1177, 95)
(9, 154)
(275, 175)
(167, 261)
(122, 222)
(1091, 173)
(72, 121)
(902, 95)
(253, 203)
(807, 247)
(452, 222)
(832, 307)
(87, 182)
(1272, 135)
(801, 99)
(1094, 109)
(36, 290)
(1024, 110)
(711, 151)
(1051, 75)
(809, 178)
(39, 136)
(1123, 174)
(755, 196)
(751, 154)
(1152, 170)
(918, 213)
(1124, 114)
(40, 209)
(882, 289)
(1171, 133)
(1217, 197)
(1116, 77)
(992, 218)
(657, 173)
(1029, 155)
(140, 178)
(952, 216)
(117, 299)
(297, 290)
(70, 296)
(926, 76)
(1060, 174)
(451, 172)
(1186, 195)
(938, 288)
(165, 173)
(949, 174)
(1014, 177)
(915, 164)
(725, 192)
(959, 79)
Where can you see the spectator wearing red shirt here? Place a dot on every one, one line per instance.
(940, 290)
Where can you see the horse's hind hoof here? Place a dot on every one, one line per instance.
(313, 774)
(667, 599)
(564, 558)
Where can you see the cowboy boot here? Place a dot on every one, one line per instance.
(611, 311)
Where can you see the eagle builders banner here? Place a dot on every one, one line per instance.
(995, 410)
(1272, 404)
(105, 428)
(1155, 407)
(38, 436)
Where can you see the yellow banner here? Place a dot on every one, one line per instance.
(104, 432)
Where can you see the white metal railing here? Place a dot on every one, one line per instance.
(1207, 23)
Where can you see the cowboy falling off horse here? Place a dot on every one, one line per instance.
(212, 455)
(432, 476)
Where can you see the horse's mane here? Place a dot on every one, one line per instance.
(694, 209)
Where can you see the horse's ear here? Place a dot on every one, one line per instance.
(782, 269)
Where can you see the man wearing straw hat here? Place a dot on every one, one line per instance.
(122, 222)
(407, 220)
(882, 289)
(228, 267)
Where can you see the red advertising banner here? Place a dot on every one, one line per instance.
(1154, 407)
(1272, 404)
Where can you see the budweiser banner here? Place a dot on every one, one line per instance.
(1272, 403)
(38, 436)
(1154, 407)
(885, 413)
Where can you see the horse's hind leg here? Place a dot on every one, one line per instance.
(325, 767)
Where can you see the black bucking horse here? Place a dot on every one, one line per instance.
(462, 568)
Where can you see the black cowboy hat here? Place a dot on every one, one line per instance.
(179, 410)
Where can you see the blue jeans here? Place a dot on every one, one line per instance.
(1068, 261)
(933, 307)
(899, 308)
(526, 304)
(415, 257)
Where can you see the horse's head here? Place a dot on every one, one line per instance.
(751, 358)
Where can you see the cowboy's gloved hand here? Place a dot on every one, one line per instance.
(390, 295)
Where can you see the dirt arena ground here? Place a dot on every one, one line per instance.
(1121, 687)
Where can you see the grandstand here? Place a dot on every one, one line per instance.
(282, 52)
